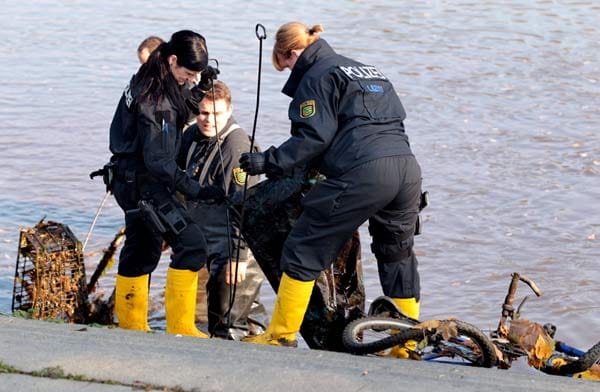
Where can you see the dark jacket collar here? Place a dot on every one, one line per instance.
(315, 51)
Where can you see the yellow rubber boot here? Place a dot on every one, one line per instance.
(290, 306)
(411, 308)
(592, 373)
(180, 302)
(131, 302)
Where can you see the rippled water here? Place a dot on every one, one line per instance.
(503, 110)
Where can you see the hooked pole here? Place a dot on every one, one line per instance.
(261, 34)
(228, 217)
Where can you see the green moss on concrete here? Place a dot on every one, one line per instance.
(56, 372)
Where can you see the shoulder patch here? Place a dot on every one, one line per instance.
(308, 108)
(239, 176)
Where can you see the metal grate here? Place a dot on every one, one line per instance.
(50, 278)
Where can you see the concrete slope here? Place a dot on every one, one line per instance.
(135, 358)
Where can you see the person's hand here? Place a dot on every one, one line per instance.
(253, 163)
(230, 270)
(211, 194)
(197, 92)
(206, 78)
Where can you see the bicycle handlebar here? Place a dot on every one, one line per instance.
(530, 283)
(512, 289)
(507, 308)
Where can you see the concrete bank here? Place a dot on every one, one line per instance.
(156, 361)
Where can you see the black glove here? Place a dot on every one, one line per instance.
(195, 94)
(211, 194)
(206, 78)
(253, 163)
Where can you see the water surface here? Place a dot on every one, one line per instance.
(503, 106)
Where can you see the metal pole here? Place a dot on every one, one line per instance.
(89, 233)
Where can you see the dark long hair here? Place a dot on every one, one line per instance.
(154, 79)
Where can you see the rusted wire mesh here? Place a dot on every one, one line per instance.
(50, 278)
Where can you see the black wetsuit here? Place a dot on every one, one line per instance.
(200, 156)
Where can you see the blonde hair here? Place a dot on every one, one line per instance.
(293, 35)
(152, 42)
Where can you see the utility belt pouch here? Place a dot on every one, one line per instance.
(149, 216)
(130, 177)
(108, 175)
(424, 200)
(418, 225)
(424, 203)
(172, 217)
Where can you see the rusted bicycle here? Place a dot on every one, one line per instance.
(457, 342)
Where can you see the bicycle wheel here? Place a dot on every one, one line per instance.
(581, 364)
(448, 341)
(364, 336)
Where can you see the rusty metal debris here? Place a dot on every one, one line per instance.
(50, 281)
(50, 274)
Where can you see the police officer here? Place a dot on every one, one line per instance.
(346, 121)
(145, 137)
(210, 152)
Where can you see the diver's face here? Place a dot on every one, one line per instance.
(213, 116)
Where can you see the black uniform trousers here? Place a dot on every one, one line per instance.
(143, 246)
(387, 192)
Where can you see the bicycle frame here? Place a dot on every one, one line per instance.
(459, 343)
